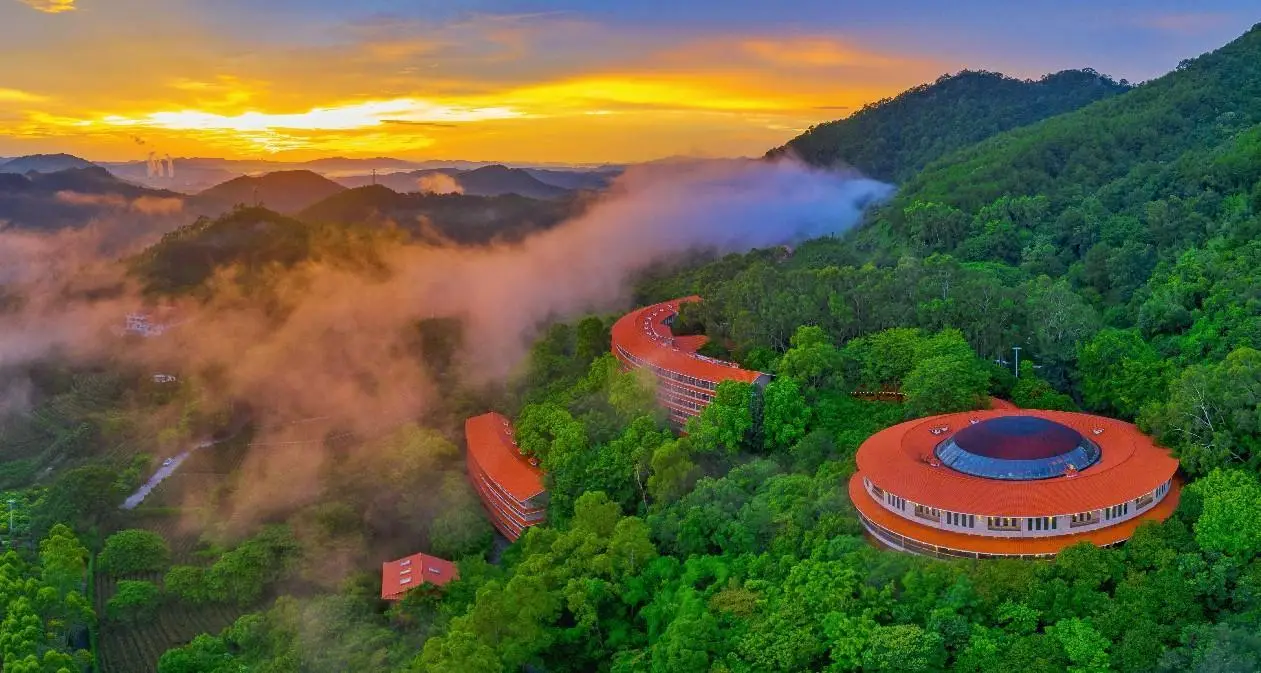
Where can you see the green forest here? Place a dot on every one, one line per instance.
(1113, 236)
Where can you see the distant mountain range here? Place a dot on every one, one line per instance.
(493, 180)
(192, 175)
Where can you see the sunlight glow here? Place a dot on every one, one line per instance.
(339, 118)
(50, 6)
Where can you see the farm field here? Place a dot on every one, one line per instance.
(128, 648)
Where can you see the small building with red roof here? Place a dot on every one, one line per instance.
(509, 484)
(400, 576)
(686, 380)
(1009, 482)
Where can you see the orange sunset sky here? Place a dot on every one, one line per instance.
(562, 81)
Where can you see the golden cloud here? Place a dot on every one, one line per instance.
(17, 96)
(50, 6)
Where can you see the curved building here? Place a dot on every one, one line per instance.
(509, 484)
(1010, 483)
(686, 380)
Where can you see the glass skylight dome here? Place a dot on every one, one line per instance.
(1017, 448)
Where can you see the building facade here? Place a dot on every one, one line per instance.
(509, 484)
(1010, 483)
(686, 380)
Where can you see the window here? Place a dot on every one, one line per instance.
(1002, 523)
(1116, 511)
(405, 580)
(1083, 519)
(1144, 500)
(1041, 523)
(930, 513)
(961, 520)
(877, 491)
(895, 501)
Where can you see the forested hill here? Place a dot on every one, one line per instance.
(1142, 175)
(893, 138)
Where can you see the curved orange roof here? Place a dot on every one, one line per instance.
(491, 446)
(897, 460)
(643, 334)
(1005, 546)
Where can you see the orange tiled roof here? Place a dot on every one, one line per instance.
(896, 459)
(490, 445)
(400, 576)
(643, 334)
(1005, 545)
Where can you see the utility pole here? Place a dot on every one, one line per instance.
(374, 177)
(12, 511)
(1017, 349)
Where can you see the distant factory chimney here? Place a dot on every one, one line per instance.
(153, 167)
(170, 167)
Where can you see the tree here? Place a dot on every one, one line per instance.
(134, 601)
(1230, 518)
(63, 560)
(82, 497)
(205, 654)
(1059, 321)
(188, 583)
(134, 552)
(1120, 372)
(1086, 648)
(785, 414)
(1213, 414)
(672, 471)
(944, 384)
(1032, 392)
(905, 648)
(460, 528)
(725, 424)
(812, 361)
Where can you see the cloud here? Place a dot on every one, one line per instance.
(814, 53)
(1188, 23)
(157, 205)
(509, 88)
(50, 6)
(147, 205)
(438, 183)
(16, 96)
(103, 200)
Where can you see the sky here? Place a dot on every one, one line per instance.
(567, 81)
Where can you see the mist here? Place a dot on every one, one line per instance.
(438, 183)
(343, 351)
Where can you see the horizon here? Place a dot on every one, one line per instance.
(522, 81)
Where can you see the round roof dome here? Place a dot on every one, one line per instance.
(1017, 448)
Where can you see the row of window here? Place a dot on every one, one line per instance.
(1116, 511)
(666, 373)
(677, 389)
(1001, 523)
(667, 398)
(916, 547)
(1042, 523)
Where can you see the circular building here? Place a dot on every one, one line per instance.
(1010, 483)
